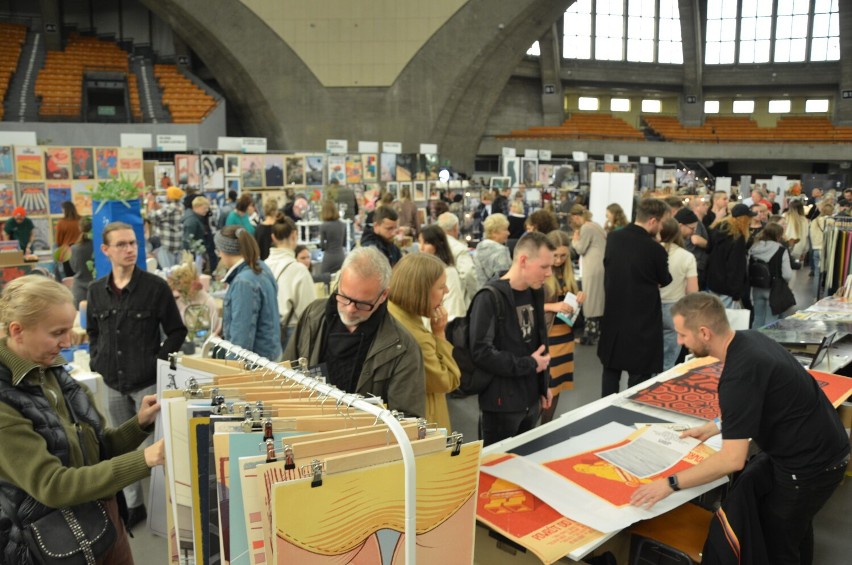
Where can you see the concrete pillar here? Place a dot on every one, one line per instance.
(51, 17)
(691, 33)
(552, 93)
(843, 106)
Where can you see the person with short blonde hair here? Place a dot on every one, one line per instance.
(417, 289)
(492, 255)
(196, 228)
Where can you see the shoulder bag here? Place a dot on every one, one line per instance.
(781, 298)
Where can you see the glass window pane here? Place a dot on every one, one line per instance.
(651, 106)
(587, 103)
(801, 6)
(726, 53)
(619, 105)
(761, 51)
(822, 6)
(711, 53)
(534, 50)
(714, 30)
(671, 53)
(834, 26)
(833, 49)
(816, 105)
(784, 27)
(821, 22)
(608, 49)
(747, 52)
(779, 106)
(714, 9)
(711, 106)
(819, 49)
(743, 106)
(797, 49)
(729, 31)
(729, 9)
(800, 26)
(785, 7)
(764, 28)
(747, 28)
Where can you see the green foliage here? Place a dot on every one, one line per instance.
(196, 246)
(116, 188)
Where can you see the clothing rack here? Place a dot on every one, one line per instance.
(836, 268)
(351, 401)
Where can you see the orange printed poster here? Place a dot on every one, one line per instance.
(837, 388)
(57, 163)
(525, 519)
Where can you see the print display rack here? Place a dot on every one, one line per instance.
(351, 401)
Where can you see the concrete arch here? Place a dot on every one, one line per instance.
(444, 95)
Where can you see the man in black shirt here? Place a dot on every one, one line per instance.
(764, 395)
(385, 225)
(514, 352)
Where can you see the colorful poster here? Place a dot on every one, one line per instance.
(405, 165)
(7, 167)
(837, 388)
(81, 195)
(313, 170)
(545, 175)
(42, 238)
(57, 163)
(419, 191)
(353, 169)
(213, 172)
(388, 167)
(233, 184)
(427, 166)
(106, 159)
(251, 171)
(82, 163)
(32, 197)
(164, 176)
(370, 165)
(7, 199)
(57, 193)
(232, 165)
(295, 170)
(336, 169)
(274, 170)
(187, 170)
(129, 159)
(530, 172)
(28, 163)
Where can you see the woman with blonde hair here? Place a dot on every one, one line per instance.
(57, 451)
(684, 271)
(589, 241)
(492, 255)
(433, 240)
(560, 334)
(250, 312)
(615, 218)
(332, 238)
(82, 255)
(417, 289)
(727, 273)
(796, 232)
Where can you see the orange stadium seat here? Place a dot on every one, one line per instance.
(186, 102)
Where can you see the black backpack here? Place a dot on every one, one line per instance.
(759, 275)
(457, 333)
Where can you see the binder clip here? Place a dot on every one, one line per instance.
(454, 440)
(173, 361)
(289, 462)
(315, 469)
(267, 430)
(270, 451)
(192, 390)
(421, 428)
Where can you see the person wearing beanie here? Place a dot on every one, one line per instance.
(168, 221)
(20, 228)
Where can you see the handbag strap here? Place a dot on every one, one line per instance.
(79, 429)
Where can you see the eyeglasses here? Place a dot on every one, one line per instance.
(125, 244)
(344, 300)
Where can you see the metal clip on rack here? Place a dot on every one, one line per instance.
(353, 401)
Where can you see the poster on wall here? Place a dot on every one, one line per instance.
(313, 170)
(530, 172)
(187, 170)
(7, 167)
(31, 196)
(370, 166)
(419, 191)
(405, 165)
(336, 169)
(7, 199)
(57, 193)
(106, 162)
(82, 163)
(213, 172)
(130, 165)
(232, 165)
(164, 176)
(388, 167)
(511, 167)
(81, 195)
(251, 171)
(57, 163)
(274, 170)
(233, 184)
(353, 169)
(545, 175)
(28, 163)
(427, 166)
(295, 167)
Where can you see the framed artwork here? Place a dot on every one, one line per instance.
(251, 171)
(370, 167)
(337, 169)
(405, 166)
(354, 171)
(405, 189)
(419, 191)
(106, 162)
(314, 170)
(213, 172)
(500, 182)
(432, 190)
(7, 163)
(83, 163)
(274, 170)
(7, 199)
(510, 169)
(130, 160)
(81, 195)
(187, 170)
(530, 172)
(28, 163)
(216, 197)
(57, 163)
(164, 175)
(388, 167)
(545, 175)
(232, 165)
(57, 193)
(295, 167)
(431, 166)
(233, 184)
(393, 188)
(32, 197)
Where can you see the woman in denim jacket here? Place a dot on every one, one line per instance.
(250, 316)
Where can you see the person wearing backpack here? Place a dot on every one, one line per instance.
(512, 355)
(767, 250)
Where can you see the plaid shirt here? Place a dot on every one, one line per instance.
(168, 221)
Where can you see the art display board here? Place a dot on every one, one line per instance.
(608, 188)
(723, 184)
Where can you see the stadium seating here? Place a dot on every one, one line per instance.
(12, 38)
(186, 102)
(582, 126)
(740, 129)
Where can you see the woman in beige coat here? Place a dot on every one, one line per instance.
(589, 242)
(417, 289)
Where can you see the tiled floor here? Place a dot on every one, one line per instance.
(832, 525)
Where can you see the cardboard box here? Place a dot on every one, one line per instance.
(11, 258)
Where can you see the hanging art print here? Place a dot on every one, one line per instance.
(57, 193)
(370, 165)
(405, 164)
(354, 173)
(232, 165)
(32, 197)
(388, 167)
(7, 199)
(313, 170)
(81, 195)
(57, 163)
(28, 163)
(106, 159)
(82, 163)
(274, 170)
(337, 169)
(7, 167)
(251, 171)
(187, 169)
(213, 172)
(295, 167)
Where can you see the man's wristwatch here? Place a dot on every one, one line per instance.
(673, 483)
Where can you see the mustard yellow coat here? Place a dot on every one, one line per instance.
(442, 373)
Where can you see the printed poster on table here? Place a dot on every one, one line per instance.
(7, 163)
(82, 163)
(29, 163)
(57, 163)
